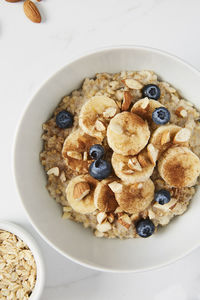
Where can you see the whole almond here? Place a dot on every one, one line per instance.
(81, 190)
(12, 1)
(31, 11)
(127, 100)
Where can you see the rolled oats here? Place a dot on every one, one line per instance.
(17, 267)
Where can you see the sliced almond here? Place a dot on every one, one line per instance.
(104, 227)
(99, 126)
(145, 103)
(134, 217)
(85, 156)
(142, 160)
(139, 185)
(109, 112)
(134, 164)
(133, 84)
(62, 176)
(32, 12)
(152, 153)
(115, 186)
(110, 218)
(101, 217)
(118, 210)
(151, 214)
(116, 128)
(81, 190)
(127, 100)
(166, 207)
(54, 171)
(125, 221)
(128, 171)
(74, 154)
(165, 138)
(182, 136)
(181, 112)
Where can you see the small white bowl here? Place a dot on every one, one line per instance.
(69, 238)
(30, 242)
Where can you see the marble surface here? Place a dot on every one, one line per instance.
(30, 53)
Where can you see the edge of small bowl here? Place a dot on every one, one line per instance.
(26, 237)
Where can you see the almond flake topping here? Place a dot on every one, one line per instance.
(54, 171)
(182, 136)
(133, 84)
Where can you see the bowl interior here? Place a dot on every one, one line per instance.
(72, 239)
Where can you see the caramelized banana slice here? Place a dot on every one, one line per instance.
(163, 137)
(145, 107)
(135, 198)
(132, 169)
(179, 167)
(127, 133)
(76, 151)
(80, 193)
(96, 114)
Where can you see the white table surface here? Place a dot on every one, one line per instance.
(29, 53)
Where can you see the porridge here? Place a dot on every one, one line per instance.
(121, 154)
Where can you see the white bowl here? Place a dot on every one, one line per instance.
(67, 237)
(29, 240)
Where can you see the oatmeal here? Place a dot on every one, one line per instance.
(121, 154)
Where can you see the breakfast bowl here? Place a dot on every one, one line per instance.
(69, 238)
(25, 276)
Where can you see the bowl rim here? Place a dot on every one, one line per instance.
(68, 63)
(27, 238)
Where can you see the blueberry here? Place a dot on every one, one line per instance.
(161, 116)
(145, 228)
(96, 151)
(151, 91)
(64, 119)
(100, 169)
(162, 197)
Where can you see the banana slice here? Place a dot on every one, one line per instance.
(145, 107)
(76, 151)
(95, 115)
(135, 198)
(162, 138)
(132, 169)
(127, 133)
(80, 194)
(179, 167)
(104, 198)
